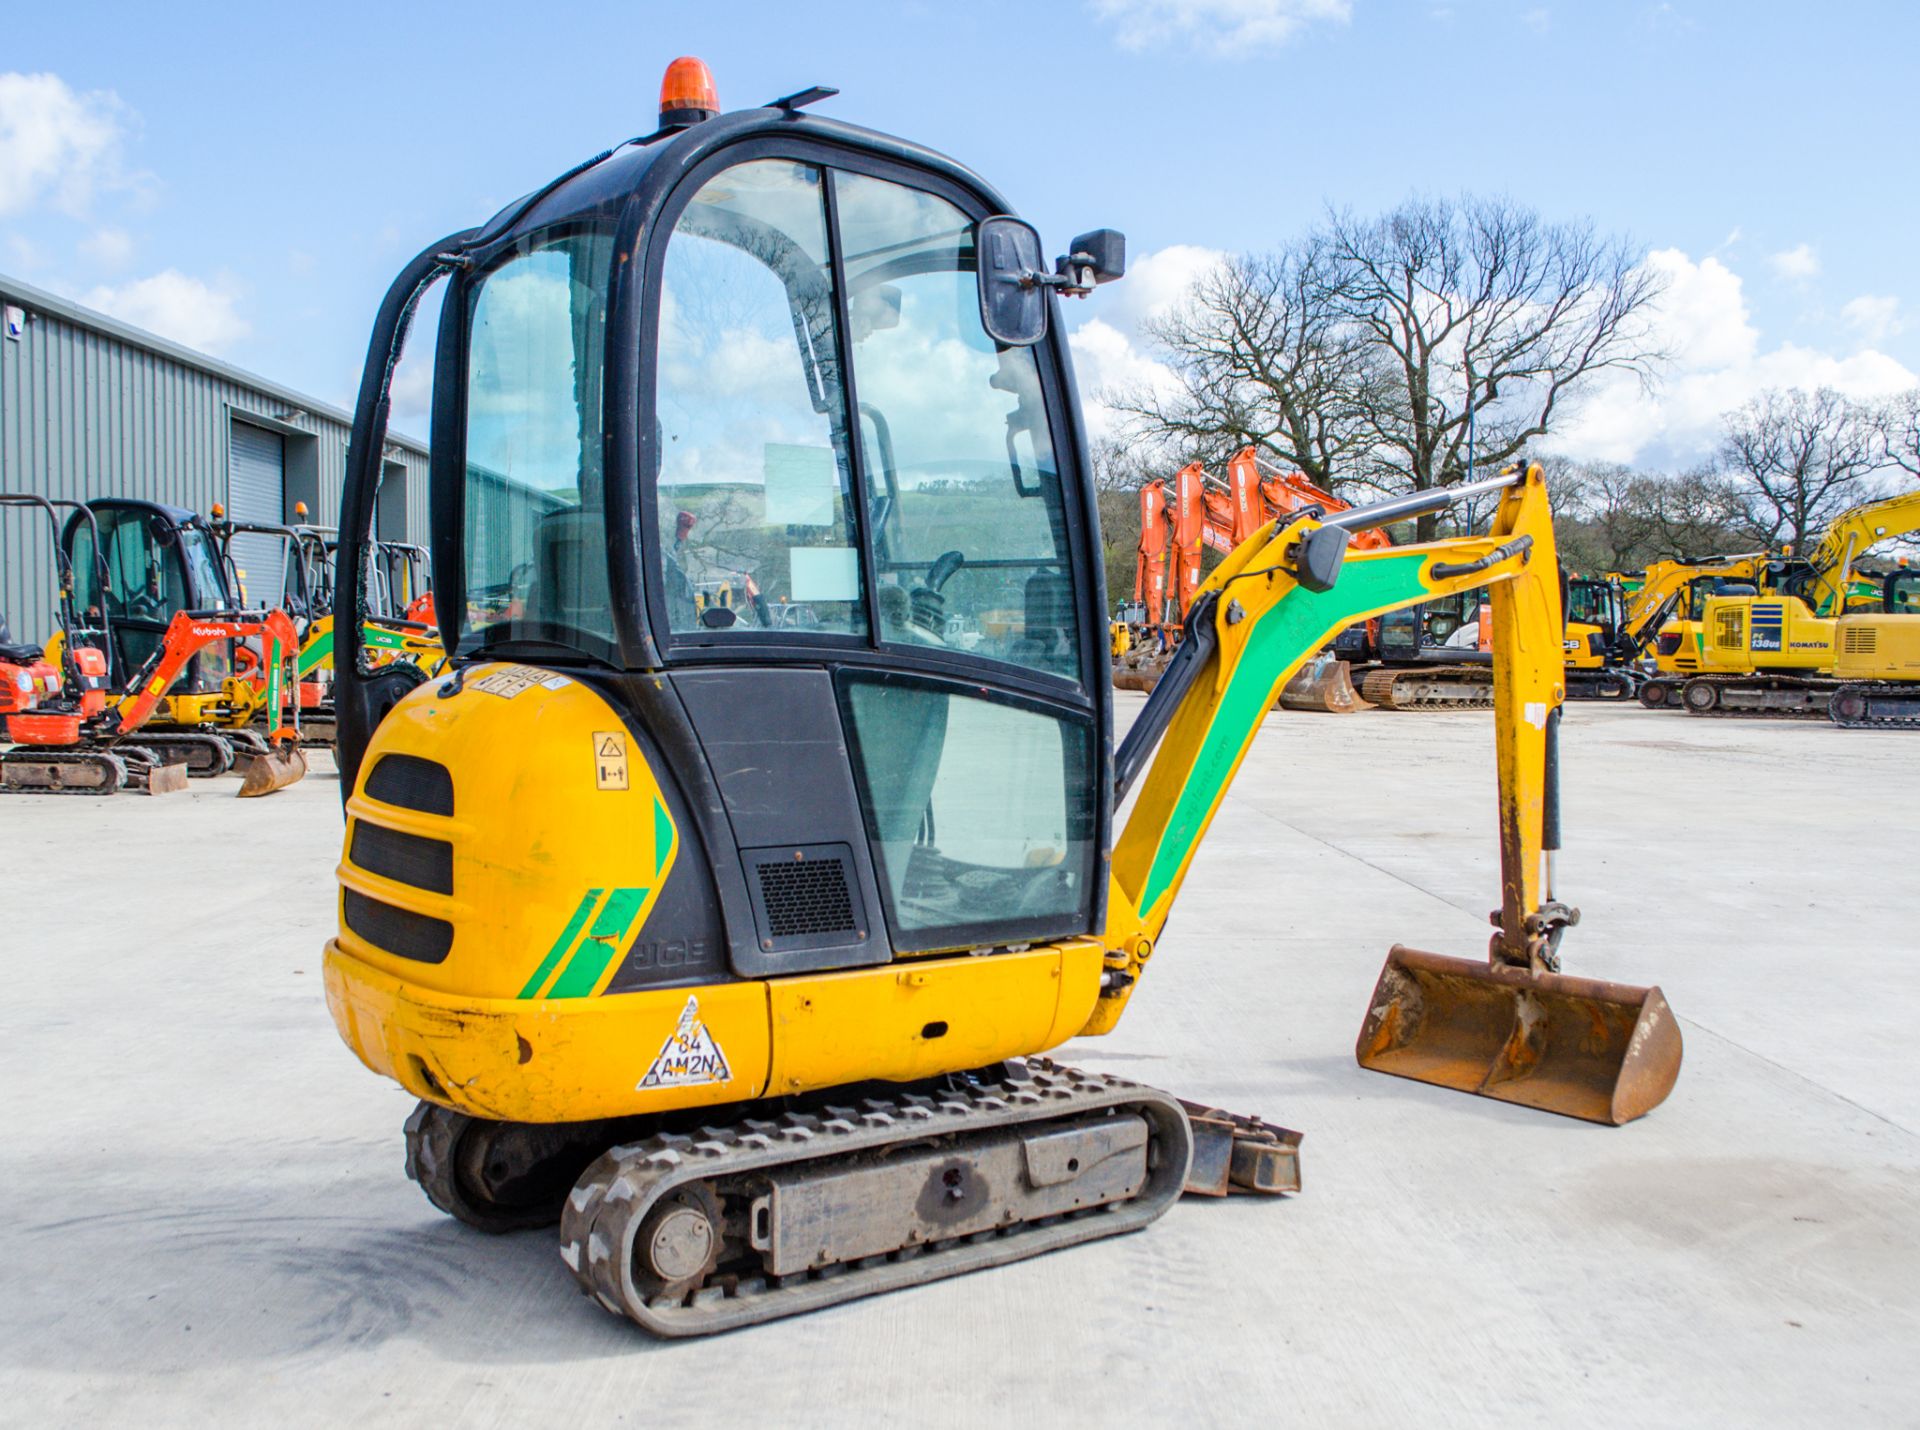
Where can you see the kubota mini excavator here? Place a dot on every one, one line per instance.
(143, 566)
(747, 1004)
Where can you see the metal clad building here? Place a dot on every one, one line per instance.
(92, 407)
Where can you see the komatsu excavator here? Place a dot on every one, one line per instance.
(1774, 653)
(728, 942)
(1878, 660)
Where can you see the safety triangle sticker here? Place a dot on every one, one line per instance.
(690, 1056)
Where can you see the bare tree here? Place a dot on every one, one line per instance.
(1263, 359)
(1378, 352)
(1797, 459)
(1900, 431)
(1483, 322)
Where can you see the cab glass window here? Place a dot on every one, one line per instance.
(535, 543)
(980, 813)
(754, 487)
(968, 524)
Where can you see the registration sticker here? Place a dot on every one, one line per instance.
(689, 1057)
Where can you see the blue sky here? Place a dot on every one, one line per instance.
(248, 179)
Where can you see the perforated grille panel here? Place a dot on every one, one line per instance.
(1860, 640)
(805, 896)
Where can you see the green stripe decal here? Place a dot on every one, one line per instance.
(1281, 640)
(597, 949)
(310, 658)
(561, 944)
(662, 836)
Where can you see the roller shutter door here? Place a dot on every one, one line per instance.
(257, 491)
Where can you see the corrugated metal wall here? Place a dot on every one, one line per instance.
(89, 407)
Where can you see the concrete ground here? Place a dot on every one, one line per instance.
(204, 1220)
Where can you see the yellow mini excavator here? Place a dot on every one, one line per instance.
(726, 936)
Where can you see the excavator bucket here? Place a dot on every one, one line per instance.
(281, 766)
(1605, 1052)
(1324, 683)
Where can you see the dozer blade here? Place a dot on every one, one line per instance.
(282, 766)
(1606, 1052)
(1324, 683)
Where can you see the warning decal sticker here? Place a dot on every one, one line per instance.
(508, 681)
(610, 759)
(689, 1057)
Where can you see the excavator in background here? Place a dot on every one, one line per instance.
(49, 696)
(1205, 511)
(1669, 605)
(1601, 646)
(141, 566)
(751, 1007)
(1878, 661)
(1774, 652)
(305, 593)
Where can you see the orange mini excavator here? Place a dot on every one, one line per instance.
(1201, 510)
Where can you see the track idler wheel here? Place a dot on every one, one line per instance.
(1701, 697)
(498, 1176)
(1657, 694)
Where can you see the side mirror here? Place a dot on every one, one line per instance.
(1013, 304)
(1098, 257)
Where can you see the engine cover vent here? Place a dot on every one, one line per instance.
(1860, 640)
(805, 896)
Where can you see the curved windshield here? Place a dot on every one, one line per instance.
(535, 541)
(969, 525)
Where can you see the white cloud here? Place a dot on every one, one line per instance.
(55, 144)
(1873, 316)
(186, 309)
(1796, 264)
(1717, 363)
(1537, 20)
(1224, 28)
(109, 247)
(1108, 350)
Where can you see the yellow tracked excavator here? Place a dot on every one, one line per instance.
(726, 936)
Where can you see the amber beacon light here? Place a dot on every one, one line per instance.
(687, 94)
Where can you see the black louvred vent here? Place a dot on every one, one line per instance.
(398, 931)
(406, 858)
(409, 782)
(805, 896)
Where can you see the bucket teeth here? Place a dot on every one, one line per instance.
(1604, 1052)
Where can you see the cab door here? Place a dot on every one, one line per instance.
(889, 496)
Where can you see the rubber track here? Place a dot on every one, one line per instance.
(1378, 687)
(26, 754)
(1872, 689)
(611, 1201)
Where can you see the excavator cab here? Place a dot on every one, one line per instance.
(722, 930)
(157, 562)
